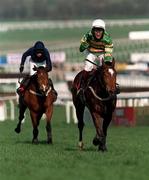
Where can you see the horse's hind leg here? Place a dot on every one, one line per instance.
(106, 122)
(48, 125)
(22, 109)
(79, 106)
(80, 112)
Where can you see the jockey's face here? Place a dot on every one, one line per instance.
(98, 33)
(39, 54)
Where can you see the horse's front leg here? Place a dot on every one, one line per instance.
(49, 133)
(49, 113)
(35, 122)
(22, 109)
(99, 139)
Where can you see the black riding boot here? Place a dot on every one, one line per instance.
(117, 89)
(52, 86)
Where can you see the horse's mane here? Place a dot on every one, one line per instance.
(98, 84)
(98, 78)
(97, 81)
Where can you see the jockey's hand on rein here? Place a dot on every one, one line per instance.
(21, 68)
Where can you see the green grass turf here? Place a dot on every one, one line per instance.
(127, 157)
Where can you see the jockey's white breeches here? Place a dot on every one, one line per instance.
(32, 64)
(88, 66)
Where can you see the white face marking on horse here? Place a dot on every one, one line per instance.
(44, 87)
(111, 71)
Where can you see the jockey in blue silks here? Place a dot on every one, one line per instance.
(39, 56)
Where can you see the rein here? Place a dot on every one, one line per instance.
(99, 98)
(93, 63)
(39, 94)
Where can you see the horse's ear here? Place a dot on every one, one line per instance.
(35, 68)
(113, 62)
(110, 63)
(102, 61)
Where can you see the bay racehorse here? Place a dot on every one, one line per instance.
(39, 99)
(99, 97)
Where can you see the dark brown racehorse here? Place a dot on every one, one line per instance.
(39, 99)
(99, 97)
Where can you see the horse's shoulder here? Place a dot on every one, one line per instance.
(78, 75)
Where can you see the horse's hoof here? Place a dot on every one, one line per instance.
(35, 141)
(102, 148)
(81, 145)
(96, 141)
(17, 130)
(49, 141)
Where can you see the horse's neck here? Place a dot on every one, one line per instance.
(98, 82)
(33, 83)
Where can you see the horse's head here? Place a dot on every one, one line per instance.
(42, 79)
(109, 76)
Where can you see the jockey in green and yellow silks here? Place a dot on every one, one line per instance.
(97, 45)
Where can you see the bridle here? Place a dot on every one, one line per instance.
(40, 92)
(102, 84)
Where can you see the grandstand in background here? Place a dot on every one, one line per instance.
(67, 58)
